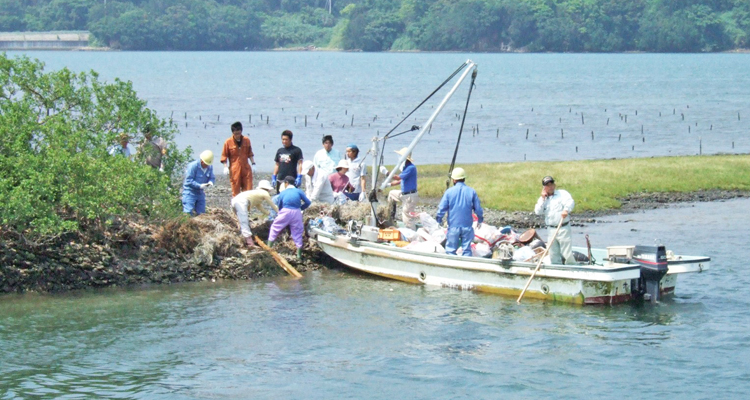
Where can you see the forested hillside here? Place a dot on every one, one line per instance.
(379, 25)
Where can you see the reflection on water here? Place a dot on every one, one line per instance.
(337, 332)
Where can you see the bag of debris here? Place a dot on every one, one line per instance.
(408, 234)
(523, 253)
(486, 234)
(481, 250)
(428, 223)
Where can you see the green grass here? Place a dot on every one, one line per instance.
(595, 185)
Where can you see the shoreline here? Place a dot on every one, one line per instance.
(132, 253)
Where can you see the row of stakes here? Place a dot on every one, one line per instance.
(475, 128)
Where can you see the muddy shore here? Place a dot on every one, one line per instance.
(209, 247)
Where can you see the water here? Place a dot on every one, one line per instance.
(337, 334)
(637, 105)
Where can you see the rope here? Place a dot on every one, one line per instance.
(461, 130)
(387, 135)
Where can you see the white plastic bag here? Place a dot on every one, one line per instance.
(480, 250)
(408, 234)
(486, 234)
(428, 223)
(523, 253)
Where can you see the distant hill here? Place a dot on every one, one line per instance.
(383, 25)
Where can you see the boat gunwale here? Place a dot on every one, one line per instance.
(598, 269)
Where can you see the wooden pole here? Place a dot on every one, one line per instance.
(538, 264)
(279, 259)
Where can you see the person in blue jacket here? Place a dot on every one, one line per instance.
(291, 203)
(198, 176)
(460, 201)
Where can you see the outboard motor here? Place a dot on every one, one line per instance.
(653, 262)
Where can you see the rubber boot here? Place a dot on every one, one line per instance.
(299, 254)
(392, 210)
(270, 243)
(249, 242)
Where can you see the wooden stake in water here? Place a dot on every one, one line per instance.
(607, 121)
(700, 146)
(592, 135)
(562, 134)
(582, 121)
(305, 121)
(352, 124)
(527, 133)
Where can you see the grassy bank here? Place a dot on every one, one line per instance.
(594, 184)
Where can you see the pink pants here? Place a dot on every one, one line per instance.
(291, 217)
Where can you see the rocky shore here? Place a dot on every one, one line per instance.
(209, 247)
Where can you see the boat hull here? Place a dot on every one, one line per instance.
(610, 283)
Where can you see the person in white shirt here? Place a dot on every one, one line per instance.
(317, 186)
(326, 159)
(556, 205)
(357, 174)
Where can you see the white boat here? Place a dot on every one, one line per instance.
(645, 273)
(609, 282)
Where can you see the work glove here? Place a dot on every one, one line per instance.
(210, 183)
(362, 196)
(479, 225)
(383, 170)
(226, 169)
(252, 167)
(204, 185)
(298, 180)
(273, 181)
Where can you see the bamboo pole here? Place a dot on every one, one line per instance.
(279, 259)
(538, 264)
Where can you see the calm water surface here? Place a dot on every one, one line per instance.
(636, 105)
(336, 334)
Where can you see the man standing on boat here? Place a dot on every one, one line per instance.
(326, 159)
(235, 155)
(460, 201)
(288, 161)
(556, 205)
(407, 196)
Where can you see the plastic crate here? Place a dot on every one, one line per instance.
(389, 234)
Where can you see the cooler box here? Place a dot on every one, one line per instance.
(620, 251)
(369, 233)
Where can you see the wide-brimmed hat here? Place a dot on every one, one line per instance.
(342, 164)
(264, 184)
(403, 151)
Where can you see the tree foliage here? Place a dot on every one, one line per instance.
(377, 25)
(55, 172)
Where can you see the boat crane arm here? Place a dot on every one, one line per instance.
(427, 125)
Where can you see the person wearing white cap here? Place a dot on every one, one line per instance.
(339, 180)
(243, 202)
(556, 205)
(460, 202)
(199, 175)
(407, 196)
(357, 174)
(317, 185)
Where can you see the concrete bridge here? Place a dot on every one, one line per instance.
(56, 40)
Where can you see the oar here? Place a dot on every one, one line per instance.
(538, 264)
(279, 259)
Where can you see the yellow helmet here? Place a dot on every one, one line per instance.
(458, 173)
(207, 157)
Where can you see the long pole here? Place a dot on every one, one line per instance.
(428, 124)
(538, 264)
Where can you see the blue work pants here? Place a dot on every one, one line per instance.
(193, 203)
(459, 237)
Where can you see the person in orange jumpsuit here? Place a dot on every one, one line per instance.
(237, 150)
